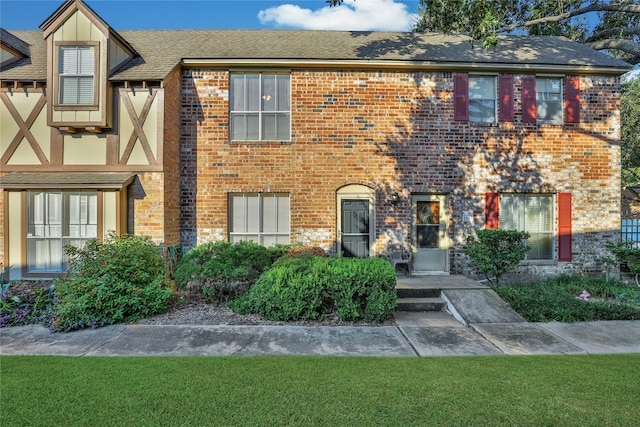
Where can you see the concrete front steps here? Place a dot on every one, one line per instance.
(420, 299)
(425, 293)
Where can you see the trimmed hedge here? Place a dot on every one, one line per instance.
(222, 270)
(308, 287)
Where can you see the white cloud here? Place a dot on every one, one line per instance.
(361, 15)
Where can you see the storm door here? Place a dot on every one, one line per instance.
(429, 233)
(355, 228)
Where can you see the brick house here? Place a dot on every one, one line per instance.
(352, 141)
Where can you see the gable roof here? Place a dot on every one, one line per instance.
(13, 42)
(162, 50)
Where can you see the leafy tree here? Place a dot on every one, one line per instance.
(630, 132)
(618, 30)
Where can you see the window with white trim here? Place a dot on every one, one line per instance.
(260, 107)
(549, 100)
(76, 75)
(260, 217)
(532, 213)
(482, 99)
(56, 219)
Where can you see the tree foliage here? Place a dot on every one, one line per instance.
(630, 132)
(617, 30)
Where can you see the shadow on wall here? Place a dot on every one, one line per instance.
(135, 191)
(436, 155)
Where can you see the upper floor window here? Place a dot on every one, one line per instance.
(482, 99)
(260, 107)
(77, 75)
(549, 100)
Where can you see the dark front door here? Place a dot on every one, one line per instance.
(355, 228)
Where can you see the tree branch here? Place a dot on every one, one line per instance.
(597, 7)
(617, 31)
(628, 46)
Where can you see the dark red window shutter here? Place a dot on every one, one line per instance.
(572, 99)
(529, 99)
(564, 226)
(460, 97)
(491, 210)
(505, 88)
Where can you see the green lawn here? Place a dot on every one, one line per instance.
(596, 390)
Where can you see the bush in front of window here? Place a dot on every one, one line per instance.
(119, 280)
(309, 287)
(496, 251)
(221, 270)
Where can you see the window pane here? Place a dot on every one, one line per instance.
(269, 127)
(284, 92)
(283, 127)
(482, 111)
(245, 127)
(269, 96)
(283, 213)
(237, 215)
(253, 92)
(237, 89)
(269, 214)
(85, 60)
(85, 90)
(253, 214)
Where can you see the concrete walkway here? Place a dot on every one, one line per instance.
(479, 324)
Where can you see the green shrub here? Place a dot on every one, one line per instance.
(627, 253)
(222, 270)
(495, 251)
(24, 303)
(557, 300)
(122, 279)
(308, 287)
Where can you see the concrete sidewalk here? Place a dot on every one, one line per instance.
(478, 323)
(427, 335)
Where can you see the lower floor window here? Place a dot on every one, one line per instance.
(56, 219)
(532, 213)
(260, 217)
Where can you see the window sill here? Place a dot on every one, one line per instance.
(540, 262)
(265, 142)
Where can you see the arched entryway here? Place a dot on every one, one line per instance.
(356, 220)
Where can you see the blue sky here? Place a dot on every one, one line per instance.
(377, 15)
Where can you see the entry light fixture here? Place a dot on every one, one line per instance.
(395, 198)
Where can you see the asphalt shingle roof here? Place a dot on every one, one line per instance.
(161, 50)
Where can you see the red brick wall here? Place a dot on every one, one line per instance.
(394, 131)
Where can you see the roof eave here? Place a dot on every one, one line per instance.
(404, 65)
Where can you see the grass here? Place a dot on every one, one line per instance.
(557, 300)
(595, 390)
